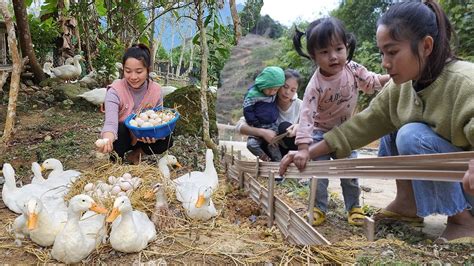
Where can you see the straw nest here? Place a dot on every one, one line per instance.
(149, 174)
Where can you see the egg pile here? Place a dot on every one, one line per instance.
(152, 118)
(114, 187)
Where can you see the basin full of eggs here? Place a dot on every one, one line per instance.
(151, 118)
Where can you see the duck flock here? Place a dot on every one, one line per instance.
(75, 228)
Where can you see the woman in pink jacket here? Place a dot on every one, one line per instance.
(125, 96)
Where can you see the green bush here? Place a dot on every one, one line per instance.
(43, 35)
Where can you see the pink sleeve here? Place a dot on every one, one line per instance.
(112, 103)
(304, 134)
(366, 81)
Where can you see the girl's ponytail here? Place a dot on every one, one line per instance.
(445, 30)
(297, 43)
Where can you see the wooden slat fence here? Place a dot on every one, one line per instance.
(448, 167)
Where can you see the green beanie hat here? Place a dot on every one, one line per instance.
(270, 77)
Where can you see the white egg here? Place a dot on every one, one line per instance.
(126, 185)
(106, 187)
(149, 113)
(153, 116)
(136, 182)
(121, 193)
(116, 189)
(153, 122)
(99, 193)
(139, 121)
(112, 179)
(99, 143)
(144, 116)
(88, 187)
(147, 124)
(134, 123)
(101, 186)
(127, 176)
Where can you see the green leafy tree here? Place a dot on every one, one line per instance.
(461, 15)
(250, 15)
(360, 17)
(266, 26)
(43, 35)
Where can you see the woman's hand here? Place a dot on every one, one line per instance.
(299, 158)
(267, 134)
(292, 130)
(147, 140)
(468, 179)
(108, 146)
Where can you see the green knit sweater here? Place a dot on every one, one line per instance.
(447, 106)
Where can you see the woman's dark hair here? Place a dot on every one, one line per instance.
(320, 33)
(140, 52)
(291, 73)
(414, 21)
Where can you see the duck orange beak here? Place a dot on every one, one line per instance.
(98, 209)
(149, 194)
(32, 221)
(113, 215)
(178, 165)
(201, 200)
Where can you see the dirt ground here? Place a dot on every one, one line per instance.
(238, 235)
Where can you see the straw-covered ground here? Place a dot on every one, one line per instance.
(238, 235)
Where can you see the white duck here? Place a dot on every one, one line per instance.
(58, 177)
(89, 79)
(37, 175)
(154, 76)
(78, 239)
(68, 72)
(95, 96)
(47, 69)
(14, 197)
(161, 214)
(197, 201)
(133, 231)
(166, 90)
(164, 162)
(208, 178)
(38, 223)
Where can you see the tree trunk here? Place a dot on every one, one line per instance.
(236, 20)
(173, 25)
(15, 79)
(153, 45)
(204, 54)
(25, 39)
(181, 55)
(191, 58)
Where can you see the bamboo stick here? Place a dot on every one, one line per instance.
(312, 199)
(271, 198)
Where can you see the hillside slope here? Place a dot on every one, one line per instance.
(246, 61)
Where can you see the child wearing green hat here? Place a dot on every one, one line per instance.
(260, 110)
